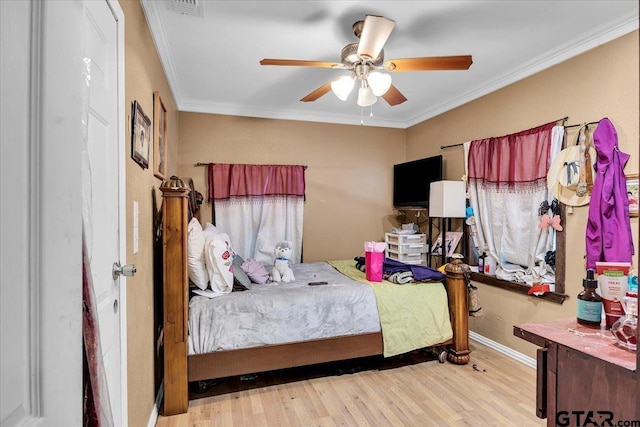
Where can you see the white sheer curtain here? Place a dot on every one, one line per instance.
(259, 206)
(256, 225)
(507, 184)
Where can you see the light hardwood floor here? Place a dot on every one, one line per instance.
(492, 390)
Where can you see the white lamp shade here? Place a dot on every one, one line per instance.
(379, 82)
(342, 86)
(366, 97)
(447, 199)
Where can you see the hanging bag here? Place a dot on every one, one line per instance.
(475, 310)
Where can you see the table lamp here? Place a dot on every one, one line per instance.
(447, 199)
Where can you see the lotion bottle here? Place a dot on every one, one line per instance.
(589, 311)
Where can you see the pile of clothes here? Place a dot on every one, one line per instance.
(401, 273)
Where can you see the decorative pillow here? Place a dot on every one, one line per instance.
(239, 276)
(195, 255)
(218, 256)
(255, 271)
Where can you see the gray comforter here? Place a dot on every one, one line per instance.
(284, 312)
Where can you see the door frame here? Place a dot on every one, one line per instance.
(44, 83)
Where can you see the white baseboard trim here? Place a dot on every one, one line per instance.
(156, 408)
(529, 361)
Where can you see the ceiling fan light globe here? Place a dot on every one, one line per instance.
(379, 82)
(341, 87)
(366, 97)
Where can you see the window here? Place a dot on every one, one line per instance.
(557, 296)
(507, 183)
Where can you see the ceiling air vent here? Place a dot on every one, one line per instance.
(187, 7)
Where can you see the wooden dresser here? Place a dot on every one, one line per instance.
(583, 377)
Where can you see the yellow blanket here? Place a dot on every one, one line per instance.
(412, 316)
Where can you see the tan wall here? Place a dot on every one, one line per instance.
(348, 180)
(143, 76)
(600, 83)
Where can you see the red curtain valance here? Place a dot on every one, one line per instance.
(521, 157)
(237, 180)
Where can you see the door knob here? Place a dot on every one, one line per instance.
(125, 270)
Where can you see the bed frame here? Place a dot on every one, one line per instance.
(180, 368)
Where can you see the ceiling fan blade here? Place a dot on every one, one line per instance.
(322, 90)
(393, 96)
(375, 32)
(462, 62)
(299, 63)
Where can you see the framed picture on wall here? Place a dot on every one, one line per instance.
(159, 137)
(632, 193)
(452, 240)
(140, 136)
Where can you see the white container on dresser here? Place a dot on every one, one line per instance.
(407, 248)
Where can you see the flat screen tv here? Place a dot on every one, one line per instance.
(411, 181)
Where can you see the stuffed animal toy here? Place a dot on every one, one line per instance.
(281, 271)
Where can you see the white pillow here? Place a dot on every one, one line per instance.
(218, 256)
(195, 255)
(210, 230)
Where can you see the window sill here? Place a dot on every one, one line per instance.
(516, 287)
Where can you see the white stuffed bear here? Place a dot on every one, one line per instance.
(281, 271)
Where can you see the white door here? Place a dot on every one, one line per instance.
(103, 191)
(43, 133)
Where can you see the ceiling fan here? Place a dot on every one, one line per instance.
(365, 60)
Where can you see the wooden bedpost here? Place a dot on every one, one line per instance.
(458, 311)
(175, 292)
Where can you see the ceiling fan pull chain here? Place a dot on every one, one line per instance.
(361, 116)
(371, 113)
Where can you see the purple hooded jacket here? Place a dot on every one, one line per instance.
(608, 235)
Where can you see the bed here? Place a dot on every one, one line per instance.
(188, 358)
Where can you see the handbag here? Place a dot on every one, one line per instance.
(475, 309)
